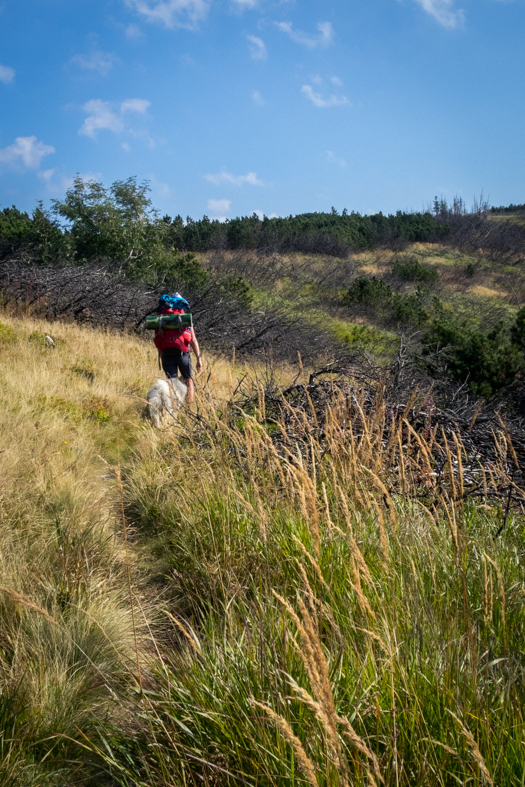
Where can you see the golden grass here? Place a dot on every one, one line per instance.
(296, 575)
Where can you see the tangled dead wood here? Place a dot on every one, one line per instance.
(94, 294)
(407, 444)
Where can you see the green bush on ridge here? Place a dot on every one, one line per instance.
(410, 269)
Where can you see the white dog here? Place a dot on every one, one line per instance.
(165, 399)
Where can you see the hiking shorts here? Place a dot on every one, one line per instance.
(174, 360)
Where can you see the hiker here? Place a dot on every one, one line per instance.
(174, 344)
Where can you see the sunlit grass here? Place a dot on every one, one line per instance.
(308, 610)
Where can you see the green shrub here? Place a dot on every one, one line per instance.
(488, 361)
(367, 291)
(517, 332)
(409, 309)
(410, 269)
(7, 334)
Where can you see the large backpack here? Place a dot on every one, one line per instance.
(178, 338)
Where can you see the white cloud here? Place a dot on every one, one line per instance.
(102, 62)
(261, 214)
(46, 175)
(257, 48)
(132, 31)
(443, 12)
(318, 100)
(125, 146)
(108, 115)
(333, 159)
(100, 115)
(139, 105)
(317, 80)
(236, 180)
(64, 183)
(171, 13)
(28, 150)
(218, 208)
(336, 81)
(324, 38)
(7, 74)
(159, 188)
(258, 98)
(246, 3)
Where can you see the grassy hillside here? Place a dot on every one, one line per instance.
(474, 288)
(277, 590)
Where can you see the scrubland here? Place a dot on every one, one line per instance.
(265, 593)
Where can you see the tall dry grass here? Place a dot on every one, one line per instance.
(342, 613)
(313, 605)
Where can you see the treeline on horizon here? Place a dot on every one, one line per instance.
(84, 224)
(113, 223)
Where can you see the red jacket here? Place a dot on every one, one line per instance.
(171, 337)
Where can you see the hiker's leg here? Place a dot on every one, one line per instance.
(170, 363)
(186, 371)
(191, 392)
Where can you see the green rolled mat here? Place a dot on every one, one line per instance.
(171, 321)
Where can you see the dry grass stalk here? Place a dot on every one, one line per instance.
(312, 562)
(191, 639)
(424, 451)
(128, 571)
(327, 510)
(361, 598)
(509, 441)
(376, 637)
(502, 597)
(460, 448)
(305, 764)
(383, 538)
(386, 494)
(323, 690)
(361, 746)
(20, 598)
(453, 530)
(485, 592)
(404, 486)
(450, 465)
(474, 748)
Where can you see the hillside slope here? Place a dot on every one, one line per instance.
(282, 588)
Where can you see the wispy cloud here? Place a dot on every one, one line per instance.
(27, 150)
(171, 13)
(108, 115)
(320, 101)
(245, 3)
(258, 98)
(159, 188)
(132, 31)
(236, 180)
(101, 62)
(333, 159)
(261, 214)
(139, 105)
(324, 38)
(218, 208)
(336, 81)
(444, 12)
(7, 74)
(257, 48)
(61, 184)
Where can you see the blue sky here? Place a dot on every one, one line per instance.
(233, 106)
